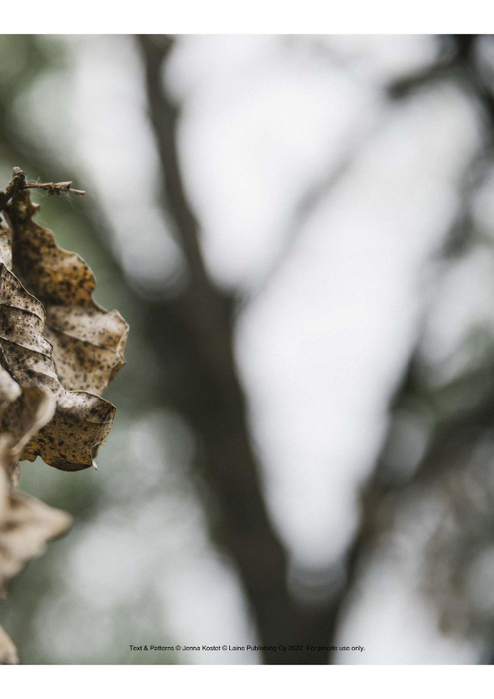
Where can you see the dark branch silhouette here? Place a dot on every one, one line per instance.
(196, 330)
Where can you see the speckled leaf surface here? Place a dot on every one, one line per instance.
(88, 342)
(56, 339)
(21, 418)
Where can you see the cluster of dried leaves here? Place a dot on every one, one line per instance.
(58, 352)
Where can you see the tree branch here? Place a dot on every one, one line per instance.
(19, 182)
(195, 331)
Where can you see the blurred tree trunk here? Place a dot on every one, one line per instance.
(195, 331)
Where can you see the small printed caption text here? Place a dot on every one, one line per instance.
(261, 648)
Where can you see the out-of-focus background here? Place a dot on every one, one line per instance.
(300, 232)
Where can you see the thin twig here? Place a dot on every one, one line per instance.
(54, 187)
(19, 182)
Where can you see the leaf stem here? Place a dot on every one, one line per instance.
(54, 187)
(19, 182)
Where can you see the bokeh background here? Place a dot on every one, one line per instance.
(300, 232)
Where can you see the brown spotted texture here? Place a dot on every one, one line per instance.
(55, 339)
(5, 247)
(88, 342)
(22, 418)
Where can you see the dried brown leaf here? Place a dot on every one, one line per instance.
(88, 342)
(33, 409)
(5, 248)
(9, 391)
(23, 412)
(55, 338)
(58, 351)
(71, 440)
